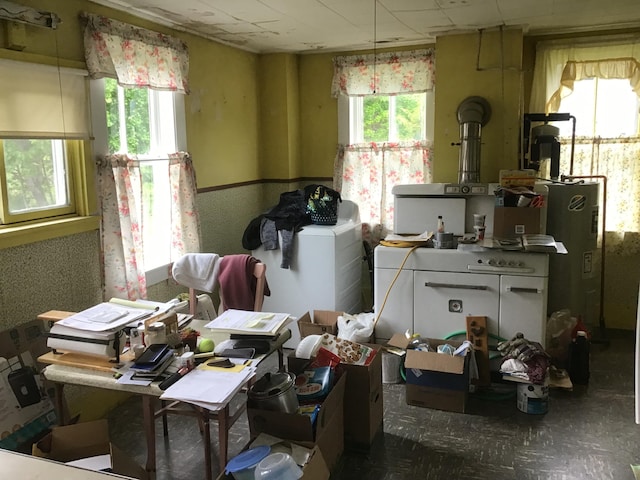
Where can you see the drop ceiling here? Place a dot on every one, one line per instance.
(269, 26)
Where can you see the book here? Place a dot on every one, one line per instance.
(539, 243)
(157, 367)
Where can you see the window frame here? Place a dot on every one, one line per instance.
(350, 118)
(10, 218)
(37, 227)
(101, 144)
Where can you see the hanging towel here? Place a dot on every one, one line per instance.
(237, 282)
(197, 270)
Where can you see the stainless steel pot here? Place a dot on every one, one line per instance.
(275, 391)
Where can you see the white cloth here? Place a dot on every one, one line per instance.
(197, 270)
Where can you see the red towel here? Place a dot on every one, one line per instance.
(237, 282)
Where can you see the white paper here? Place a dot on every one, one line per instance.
(97, 463)
(248, 322)
(93, 319)
(211, 389)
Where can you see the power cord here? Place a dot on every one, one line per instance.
(411, 250)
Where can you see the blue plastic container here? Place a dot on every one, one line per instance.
(243, 466)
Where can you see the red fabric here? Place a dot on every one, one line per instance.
(237, 282)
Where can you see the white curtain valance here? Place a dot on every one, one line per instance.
(384, 73)
(136, 57)
(42, 101)
(558, 66)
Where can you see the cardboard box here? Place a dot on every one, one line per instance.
(327, 434)
(436, 380)
(363, 400)
(26, 412)
(84, 440)
(323, 321)
(513, 222)
(315, 468)
(363, 403)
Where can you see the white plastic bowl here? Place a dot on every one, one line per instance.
(278, 466)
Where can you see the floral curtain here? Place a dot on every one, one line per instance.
(119, 187)
(185, 225)
(384, 73)
(136, 57)
(558, 65)
(366, 173)
(618, 160)
(120, 194)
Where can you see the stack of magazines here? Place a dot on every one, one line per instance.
(153, 362)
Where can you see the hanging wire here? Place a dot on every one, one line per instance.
(375, 43)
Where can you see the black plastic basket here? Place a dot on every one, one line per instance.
(322, 206)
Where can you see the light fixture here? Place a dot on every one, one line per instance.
(20, 13)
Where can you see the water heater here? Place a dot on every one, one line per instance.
(573, 211)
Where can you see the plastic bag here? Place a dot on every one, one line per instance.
(559, 331)
(356, 328)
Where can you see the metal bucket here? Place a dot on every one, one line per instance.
(276, 392)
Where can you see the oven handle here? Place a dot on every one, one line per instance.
(523, 290)
(496, 269)
(453, 285)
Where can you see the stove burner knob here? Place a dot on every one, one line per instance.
(501, 263)
(491, 261)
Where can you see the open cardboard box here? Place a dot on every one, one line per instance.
(323, 321)
(363, 399)
(315, 468)
(26, 411)
(81, 442)
(327, 433)
(435, 380)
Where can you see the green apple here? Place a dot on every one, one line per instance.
(206, 345)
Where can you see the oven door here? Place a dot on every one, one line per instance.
(443, 300)
(523, 307)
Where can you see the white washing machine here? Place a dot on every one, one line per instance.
(325, 271)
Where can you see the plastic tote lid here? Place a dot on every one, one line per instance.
(248, 459)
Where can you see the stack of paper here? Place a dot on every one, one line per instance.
(249, 323)
(208, 388)
(95, 329)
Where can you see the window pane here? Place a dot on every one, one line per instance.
(127, 118)
(137, 120)
(113, 114)
(376, 118)
(35, 174)
(410, 116)
(604, 107)
(156, 209)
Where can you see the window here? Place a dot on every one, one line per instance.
(36, 180)
(147, 125)
(604, 107)
(42, 128)
(389, 118)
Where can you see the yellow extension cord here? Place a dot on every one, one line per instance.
(401, 244)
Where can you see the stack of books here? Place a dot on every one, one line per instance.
(153, 362)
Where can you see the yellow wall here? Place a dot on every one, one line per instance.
(318, 116)
(279, 116)
(486, 65)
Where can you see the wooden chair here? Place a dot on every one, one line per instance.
(228, 415)
(259, 272)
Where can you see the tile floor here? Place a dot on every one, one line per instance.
(588, 433)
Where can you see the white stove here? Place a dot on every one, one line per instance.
(437, 289)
